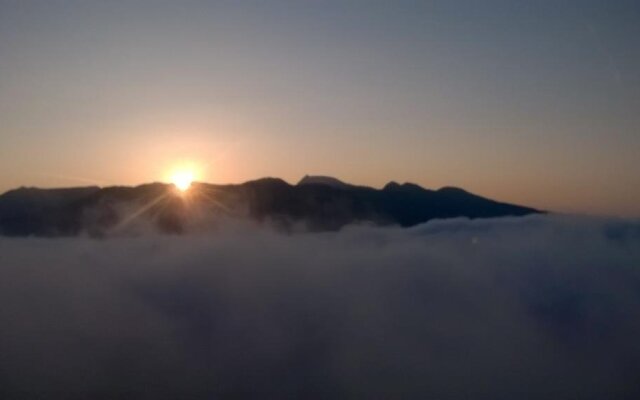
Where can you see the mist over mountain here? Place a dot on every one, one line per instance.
(316, 203)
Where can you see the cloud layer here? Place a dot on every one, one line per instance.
(535, 307)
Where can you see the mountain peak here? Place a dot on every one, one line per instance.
(266, 181)
(323, 180)
(393, 185)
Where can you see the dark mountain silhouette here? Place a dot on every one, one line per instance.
(315, 203)
(323, 180)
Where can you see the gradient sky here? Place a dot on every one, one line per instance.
(534, 102)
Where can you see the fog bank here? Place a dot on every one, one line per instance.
(536, 307)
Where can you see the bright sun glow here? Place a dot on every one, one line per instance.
(182, 180)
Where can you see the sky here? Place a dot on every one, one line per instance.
(536, 103)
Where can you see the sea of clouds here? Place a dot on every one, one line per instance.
(540, 307)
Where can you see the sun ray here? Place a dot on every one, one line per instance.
(131, 217)
(210, 199)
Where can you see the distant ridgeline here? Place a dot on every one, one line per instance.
(316, 203)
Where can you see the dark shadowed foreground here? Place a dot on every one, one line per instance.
(538, 307)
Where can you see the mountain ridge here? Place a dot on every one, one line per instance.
(318, 203)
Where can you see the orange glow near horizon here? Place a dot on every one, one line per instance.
(182, 180)
(183, 176)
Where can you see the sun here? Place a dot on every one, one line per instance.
(182, 180)
(182, 175)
